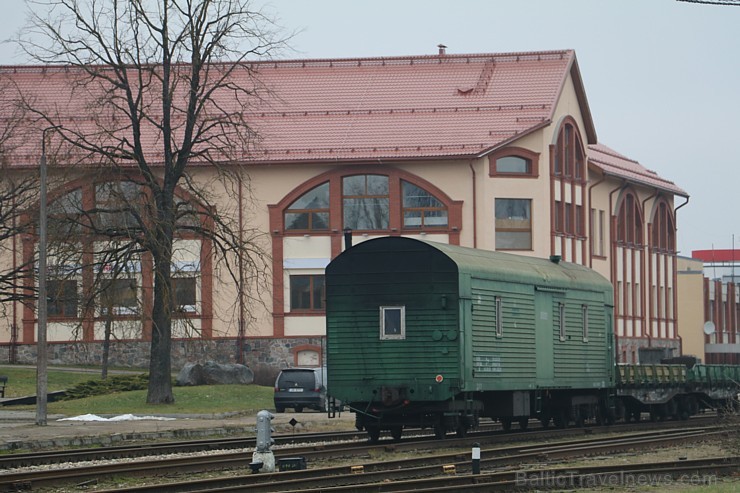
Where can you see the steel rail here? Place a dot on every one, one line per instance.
(414, 467)
(398, 471)
(150, 448)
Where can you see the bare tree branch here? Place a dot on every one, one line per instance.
(158, 86)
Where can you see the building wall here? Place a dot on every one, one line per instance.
(691, 320)
(261, 312)
(722, 308)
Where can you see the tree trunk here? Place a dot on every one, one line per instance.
(160, 363)
(106, 340)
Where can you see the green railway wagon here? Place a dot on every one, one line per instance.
(428, 334)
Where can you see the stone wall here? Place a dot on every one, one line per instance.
(265, 357)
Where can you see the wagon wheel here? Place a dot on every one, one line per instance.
(373, 434)
(523, 423)
(579, 419)
(608, 417)
(462, 428)
(396, 432)
(561, 418)
(545, 420)
(693, 406)
(440, 431)
(506, 424)
(658, 412)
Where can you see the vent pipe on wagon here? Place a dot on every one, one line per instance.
(347, 238)
(555, 259)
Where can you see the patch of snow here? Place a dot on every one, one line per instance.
(122, 417)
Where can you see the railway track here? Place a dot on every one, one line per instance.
(149, 449)
(239, 461)
(416, 473)
(30, 459)
(646, 474)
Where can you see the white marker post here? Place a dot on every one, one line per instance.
(476, 458)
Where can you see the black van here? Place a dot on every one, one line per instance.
(300, 388)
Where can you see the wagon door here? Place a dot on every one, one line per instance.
(543, 301)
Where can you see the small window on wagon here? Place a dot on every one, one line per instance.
(561, 321)
(392, 322)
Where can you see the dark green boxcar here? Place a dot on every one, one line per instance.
(418, 332)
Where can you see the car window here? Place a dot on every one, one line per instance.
(304, 379)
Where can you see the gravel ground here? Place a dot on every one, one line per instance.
(18, 430)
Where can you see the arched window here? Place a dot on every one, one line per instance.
(382, 200)
(116, 203)
(421, 209)
(65, 215)
(311, 211)
(664, 229)
(104, 220)
(366, 202)
(569, 156)
(513, 165)
(513, 162)
(629, 221)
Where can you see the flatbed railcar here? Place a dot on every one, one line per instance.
(423, 334)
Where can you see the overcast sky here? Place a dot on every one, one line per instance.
(662, 77)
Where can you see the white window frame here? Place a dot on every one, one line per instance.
(499, 318)
(383, 334)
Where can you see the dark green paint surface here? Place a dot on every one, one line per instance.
(449, 295)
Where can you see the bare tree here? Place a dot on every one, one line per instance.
(16, 194)
(18, 191)
(163, 85)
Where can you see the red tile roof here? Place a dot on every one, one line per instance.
(381, 108)
(611, 163)
(371, 109)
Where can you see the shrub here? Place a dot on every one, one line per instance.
(118, 383)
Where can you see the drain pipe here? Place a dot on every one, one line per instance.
(675, 275)
(14, 325)
(475, 207)
(646, 258)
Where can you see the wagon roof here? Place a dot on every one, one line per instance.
(504, 266)
(518, 268)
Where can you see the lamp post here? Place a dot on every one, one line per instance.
(41, 357)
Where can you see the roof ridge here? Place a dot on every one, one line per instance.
(435, 58)
(413, 109)
(648, 170)
(653, 174)
(604, 149)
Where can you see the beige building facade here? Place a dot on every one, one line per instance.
(491, 151)
(691, 286)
